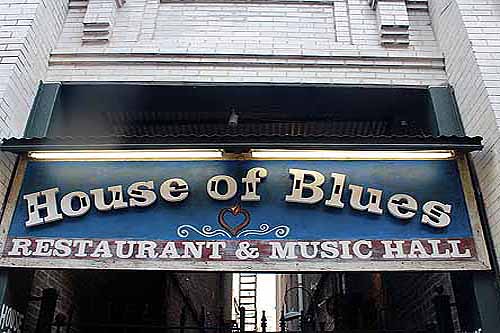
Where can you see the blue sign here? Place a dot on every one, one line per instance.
(243, 203)
(432, 180)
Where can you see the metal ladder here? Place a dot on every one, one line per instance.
(248, 299)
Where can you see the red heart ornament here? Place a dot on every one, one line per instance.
(235, 211)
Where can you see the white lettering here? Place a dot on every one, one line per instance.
(402, 206)
(254, 177)
(120, 245)
(391, 252)
(141, 194)
(20, 247)
(436, 214)
(34, 207)
(329, 250)
(299, 184)
(82, 245)
(455, 250)
(102, 250)
(283, 251)
(346, 252)
(174, 190)
(304, 246)
(216, 247)
(83, 203)
(435, 249)
(417, 250)
(357, 249)
(337, 190)
(213, 187)
(146, 250)
(169, 251)
(193, 251)
(62, 248)
(373, 205)
(116, 202)
(43, 247)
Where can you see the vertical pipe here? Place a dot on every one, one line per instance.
(47, 310)
(220, 320)
(183, 319)
(442, 307)
(70, 319)
(202, 320)
(300, 293)
(302, 322)
(242, 319)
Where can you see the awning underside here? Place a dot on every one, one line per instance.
(243, 142)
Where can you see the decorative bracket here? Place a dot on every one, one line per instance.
(393, 21)
(99, 19)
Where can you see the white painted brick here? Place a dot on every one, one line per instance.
(28, 31)
(473, 62)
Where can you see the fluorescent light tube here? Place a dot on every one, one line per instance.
(91, 155)
(351, 154)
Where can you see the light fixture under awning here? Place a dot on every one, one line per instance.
(351, 154)
(89, 155)
(268, 154)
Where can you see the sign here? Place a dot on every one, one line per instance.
(244, 214)
(11, 320)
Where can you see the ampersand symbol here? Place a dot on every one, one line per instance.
(244, 251)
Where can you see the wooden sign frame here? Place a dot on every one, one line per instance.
(479, 262)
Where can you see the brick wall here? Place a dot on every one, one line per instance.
(251, 26)
(390, 300)
(204, 290)
(315, 41)
(28, 32)
(410, 297)
(467, 31)
(64, 282)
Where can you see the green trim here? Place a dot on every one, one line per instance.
(447, 117)
(42, 110)
(488, 302)
(4, 279)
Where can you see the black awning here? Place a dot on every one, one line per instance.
(243, 142)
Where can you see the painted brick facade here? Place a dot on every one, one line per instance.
(332, 42)
(352, 42)
(29, 30)
(468, 35)
(287, 42)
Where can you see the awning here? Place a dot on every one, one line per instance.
(243, 142)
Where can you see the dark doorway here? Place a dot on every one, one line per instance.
(188, 302)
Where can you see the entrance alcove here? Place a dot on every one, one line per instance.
(380, 301)
(159, 301)
(123, 301)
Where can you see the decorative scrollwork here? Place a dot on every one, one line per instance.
(206, 231)
(280, 231)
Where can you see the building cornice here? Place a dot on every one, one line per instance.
(330, 59)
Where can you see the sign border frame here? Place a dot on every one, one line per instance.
(481, 262)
